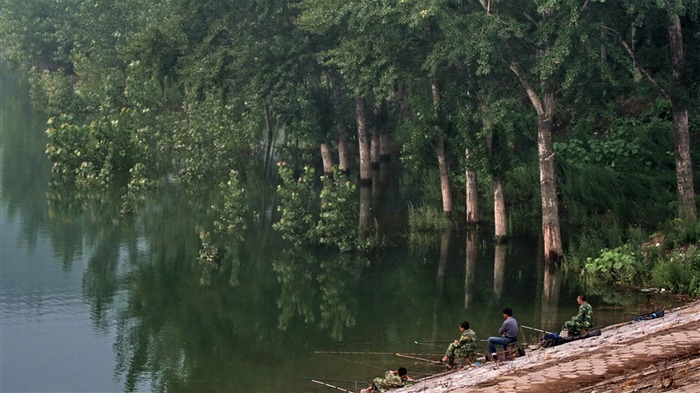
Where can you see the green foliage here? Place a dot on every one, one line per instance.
(337, 224)
(111, 144)
(211, 139)
(297, 196)
(220, 246)
(140, 183)
(679, 271)
(302, 223)
(427, 218)
(52, 92)
(620, 265)
(668, 260)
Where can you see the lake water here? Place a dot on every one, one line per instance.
(94, 303)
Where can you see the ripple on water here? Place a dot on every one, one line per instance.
(32, 307)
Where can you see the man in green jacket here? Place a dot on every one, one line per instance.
(464, 347)
(579, 324)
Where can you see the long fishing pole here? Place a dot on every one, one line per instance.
(418, 358)
(355, 352)
(372, 353)
(331, 386)
(432, 344)
(535, 329)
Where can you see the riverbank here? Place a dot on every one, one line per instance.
(661, 354)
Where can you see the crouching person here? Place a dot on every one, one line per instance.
(393, 379)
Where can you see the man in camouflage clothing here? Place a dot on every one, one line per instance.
(579, 324)
(464, 347)
(392, 380)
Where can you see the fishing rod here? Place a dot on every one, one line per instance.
(433, 343)
(355, 352)
(418, 358)
(535, 329)
(372, 353)
(331, 386)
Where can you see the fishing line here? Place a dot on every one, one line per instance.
(352, 361)
(374, 353)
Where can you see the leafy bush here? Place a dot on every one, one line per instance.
(619, 265)
(296, 194)
(679, 271)
(669, 260)
(337, 224)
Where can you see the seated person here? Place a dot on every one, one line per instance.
(508, 333)
(392, 380)
(579, 323)
(464, 347)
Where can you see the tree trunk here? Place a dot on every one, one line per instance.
(363, 142)
(376, 130)
(499, 269)
(473, 217)
(553, 249)
(499, 211)
(343, 155)
(551, 231)
(327, 157)
(472, 254)
(684, 166)
(442, 159)
(364, 214)
(384, 142)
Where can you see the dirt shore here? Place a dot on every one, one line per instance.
(658, 355)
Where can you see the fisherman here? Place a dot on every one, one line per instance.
(393, 379)
(464, 347)
(508, 333)
(579, 323)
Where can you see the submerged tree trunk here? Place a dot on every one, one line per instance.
(441, 157)
(363, 142)
(553, 248)
(378, 116)
(472, 254)
(473, 217)
(499, 269)
(384, 140)
(684, 166)
(499, 211)
(544, 106)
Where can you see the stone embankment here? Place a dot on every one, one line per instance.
(656, 355)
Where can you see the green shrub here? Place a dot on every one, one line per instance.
(620, 265)
(427, 218)
(679, 271)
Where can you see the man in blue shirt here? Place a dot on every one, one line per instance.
(508, 333)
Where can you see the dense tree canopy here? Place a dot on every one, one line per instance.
(588, 95)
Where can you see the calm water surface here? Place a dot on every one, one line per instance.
(93, 302)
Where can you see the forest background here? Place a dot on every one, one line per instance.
(579, 114)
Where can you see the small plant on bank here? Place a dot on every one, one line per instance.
(620, 265)
(427, 218)
(670, 260)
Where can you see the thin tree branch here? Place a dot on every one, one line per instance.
(638, 66)
(585, 5)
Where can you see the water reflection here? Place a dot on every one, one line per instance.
(174, 293)
(472, 260)
(499, 269)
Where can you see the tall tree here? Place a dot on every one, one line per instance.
(544, 45)
(668, 77)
